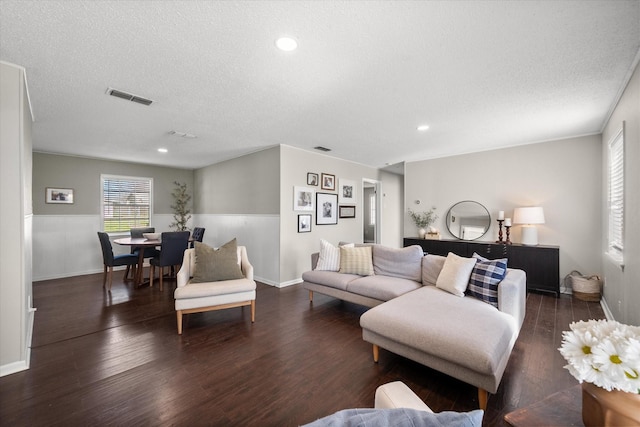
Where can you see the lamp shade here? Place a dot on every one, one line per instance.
(533, 215)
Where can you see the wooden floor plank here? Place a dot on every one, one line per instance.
(102, 358)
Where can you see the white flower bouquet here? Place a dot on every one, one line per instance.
(604, 353)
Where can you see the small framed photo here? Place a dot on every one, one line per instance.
(312, 179)
(347, 211)
(328, 182)
(326, 208)
(347, 191)
(303, 198)
(304, 223)
(59, 195)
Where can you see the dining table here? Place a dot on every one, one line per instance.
(141, 243)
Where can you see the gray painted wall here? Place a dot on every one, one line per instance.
(564, 177)
(296, 248)
(83, 175)
(622, 287)
(246, 185)
(16, 316)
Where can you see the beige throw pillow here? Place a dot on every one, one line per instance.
(356, 261)
(329, 258)
(455, 274)
(216, 265)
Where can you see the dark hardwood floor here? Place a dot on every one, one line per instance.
(116, 359)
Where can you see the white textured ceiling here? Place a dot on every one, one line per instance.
(481, 74)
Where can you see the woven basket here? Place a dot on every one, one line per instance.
(586, 288)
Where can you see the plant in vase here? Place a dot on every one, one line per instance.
(181, 212)
(422, 220)
(604, 356)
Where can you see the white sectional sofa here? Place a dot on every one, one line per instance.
(414, 314)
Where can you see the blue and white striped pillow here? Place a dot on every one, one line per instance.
(485, 278)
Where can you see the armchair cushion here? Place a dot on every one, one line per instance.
(216, 265)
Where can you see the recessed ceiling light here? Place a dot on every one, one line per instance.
(286, 44)
(162, 150)
(423, 128)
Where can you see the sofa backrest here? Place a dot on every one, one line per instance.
(431, 267)
(405, 263)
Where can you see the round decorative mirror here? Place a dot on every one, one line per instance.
(468, 220)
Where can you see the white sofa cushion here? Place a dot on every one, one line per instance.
(455, 274)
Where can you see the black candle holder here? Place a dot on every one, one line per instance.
(500, 221)
(508, 228)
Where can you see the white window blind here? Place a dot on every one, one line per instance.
(616, 196)
(126, 202)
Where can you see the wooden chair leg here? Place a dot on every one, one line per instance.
(126, 272)
(152, 274)
(483, 398)
(104, 276)
(161, 274)
(110, 277)
(253, 311)
(179, 318)
(376, 353)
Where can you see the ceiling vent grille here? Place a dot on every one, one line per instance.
(321, 148)
(128, 96)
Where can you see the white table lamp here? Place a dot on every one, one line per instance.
(528, 217)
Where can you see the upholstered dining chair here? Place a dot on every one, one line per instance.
(197, 235)
(111, 261)
(137, 233)
(224, 281)
(174, 243)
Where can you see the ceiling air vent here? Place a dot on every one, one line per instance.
(128, 96)
(320, 148)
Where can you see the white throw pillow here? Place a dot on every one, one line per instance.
(455, 274)
(329, 259)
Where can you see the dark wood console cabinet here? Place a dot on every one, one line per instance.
(541, 263)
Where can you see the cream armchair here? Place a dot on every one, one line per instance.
(199, 297)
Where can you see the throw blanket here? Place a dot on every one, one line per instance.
(399, 417)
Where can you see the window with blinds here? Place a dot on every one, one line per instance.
(126, 202)
(616, 196)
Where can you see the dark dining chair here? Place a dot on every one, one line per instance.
(111, 261)
(137, 233)
(174, 243)
(197, 235)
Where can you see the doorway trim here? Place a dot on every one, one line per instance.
(367, 183)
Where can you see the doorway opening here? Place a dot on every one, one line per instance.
(371, 211)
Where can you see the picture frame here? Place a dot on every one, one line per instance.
(326, 208)
(304, 223)
(347, 212)
(347, 191)
(328, 181)
(312, 179)
(303, 198)
(56, 195)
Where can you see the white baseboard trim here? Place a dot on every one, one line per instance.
(605, 308)
(12, 368)
(277, 284)
(290, 283)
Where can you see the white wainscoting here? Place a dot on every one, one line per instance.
(67, 245)
(259, 233)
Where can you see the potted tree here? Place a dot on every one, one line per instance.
(180, 206)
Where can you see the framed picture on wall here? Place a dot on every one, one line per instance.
(326, 208)
(304, 223)
(347, 211)
(347, 191)
(303, 198)
(312, 179)
(328, 181)
(59, 195)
